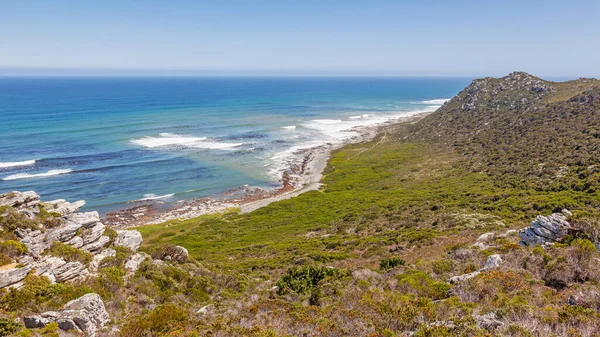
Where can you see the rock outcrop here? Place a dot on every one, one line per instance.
(129, 238)
(85, 314)
(493, 261)
(546, 230)
(81, 230)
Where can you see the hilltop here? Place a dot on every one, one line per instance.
(481, 219)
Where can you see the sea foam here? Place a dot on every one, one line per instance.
(17, 164)
(37, 175)
(148, 197)
(436, 101)
(171, 140)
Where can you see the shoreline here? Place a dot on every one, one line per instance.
(304, 172)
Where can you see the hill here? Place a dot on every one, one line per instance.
(413, 233)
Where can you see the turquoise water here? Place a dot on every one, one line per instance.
(113, 140)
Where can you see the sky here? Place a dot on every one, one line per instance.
(300, 38)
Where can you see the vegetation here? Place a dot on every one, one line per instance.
(370, 253)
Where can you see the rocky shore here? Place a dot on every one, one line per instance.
(303, 174)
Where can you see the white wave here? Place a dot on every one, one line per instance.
(148, 197)
(291, 127)
(37, 175)
(436, 101)
(17, 163)
(173, 140)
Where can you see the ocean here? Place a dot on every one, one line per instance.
(111, 141)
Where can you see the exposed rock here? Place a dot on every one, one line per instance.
(488, 321)
(492, 262)
(545, 230)
(205, 310)
(99, 257)
(92, 234)
(18, 199)
(13, 276)
(131, 239)
(68, 271)
(85, 219)
(66, 208)
(35, 321)
(97, 245)
(464, 277)
(48, 266)
(134, 261)
(486, 237)
(566, 213)
(85, 314)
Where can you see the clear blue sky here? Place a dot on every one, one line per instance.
(302, 37)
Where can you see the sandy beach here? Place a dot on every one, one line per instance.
(304, 172)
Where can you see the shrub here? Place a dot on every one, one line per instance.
(419, 283)
(392, 262)
(12, 248)
(8, 327)
(160, 321)
(307, 280)
(11, 220)
(5, 259)
(108, 282)
(69, 253)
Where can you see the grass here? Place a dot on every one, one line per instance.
(375, 195)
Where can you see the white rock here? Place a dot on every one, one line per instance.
(134, 261)
(15, 275)
(97, 245)
(99, 257)
(68, 271)
(131, 239)
(492, 262)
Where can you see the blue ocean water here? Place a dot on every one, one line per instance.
(113, 140)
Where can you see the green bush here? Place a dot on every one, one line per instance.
(8, 327)
(11, 220)
(158, 322)
(419, 283)
(392, 262)
(12, 248)
(5, 259)
(69, 253)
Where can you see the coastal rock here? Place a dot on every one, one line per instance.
(545, 230)
(62, 233)
(18, 199)
(97, 245)
(64, 207)
(85, 314)
(99, 257)
(13, 276)
(68, 271)
(134, 262)
(131, 239)
(85, 219)
(47, 267)
(92, 234)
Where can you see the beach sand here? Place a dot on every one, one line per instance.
(304, 173)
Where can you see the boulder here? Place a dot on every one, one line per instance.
(18, 199)
(85, 314)
(68, 271)
(14, 276)
(47, 266)
(545, 230)
(134, 261)
(92, 234)
(99, 257)
(64, 208)
(131, 239)
(85, 219)
(205, 310)
(176, 253)
(492, 262)
(464, 277)
(97, 245)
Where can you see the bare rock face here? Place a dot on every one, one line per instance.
(99, 257)
(68, 271)
(545, 230)
(86, 314)
(131, 239)
(19, 199)
(14, 276)
(493, 261)
(134, 262)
